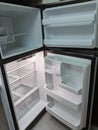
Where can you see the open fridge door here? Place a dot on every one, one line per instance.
(67, 88)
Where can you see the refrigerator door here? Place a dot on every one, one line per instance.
(67, 88)
(73, 25)
(20, 29)
(26, 79)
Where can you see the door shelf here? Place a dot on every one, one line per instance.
(50, 70)
(60, 34)
(71, 88)
(59, 59)
(52, 65)
(72, 77)
(53, 70)
(20, 34)
(59, 111)
(72, 9)
(65, 97)
(69, 43)
(68, 81)
(78, 18)
(69, 24)
(71, 73)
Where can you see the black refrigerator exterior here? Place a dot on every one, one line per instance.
(69, 30)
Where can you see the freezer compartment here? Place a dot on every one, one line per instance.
(64, 114)
(80, 12)
(71, 100)
(19, 26)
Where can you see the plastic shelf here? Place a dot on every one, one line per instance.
(65, 97)
(61, 114)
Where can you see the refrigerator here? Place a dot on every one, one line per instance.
(48, 63)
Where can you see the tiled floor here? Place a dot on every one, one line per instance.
(47, 122)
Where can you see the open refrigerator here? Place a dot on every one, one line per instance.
(38, 68)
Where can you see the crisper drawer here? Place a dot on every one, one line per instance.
(25, 104)
(71, 25)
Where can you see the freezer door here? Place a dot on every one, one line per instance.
(73, 25)
(67, 88)
(20, 29)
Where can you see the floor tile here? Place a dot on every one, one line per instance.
(48, 122)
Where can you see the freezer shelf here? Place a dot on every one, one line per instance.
(76, 32)
(64, 35)
(65, 115)
(65, 97)
(77, 18)
(70, 42)
(78, 9)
